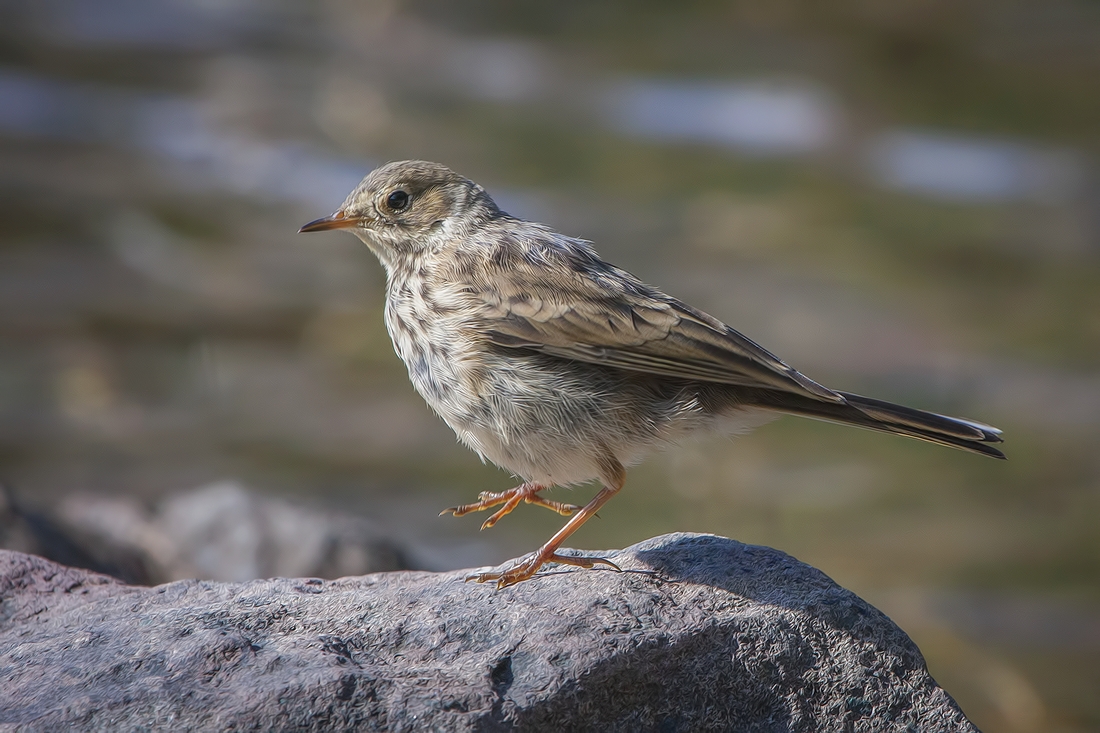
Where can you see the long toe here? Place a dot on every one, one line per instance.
(510, 573)
(489, 499)
(477, 506)
(555, 506)
(528, 566)
(460, 510)
(582, 562)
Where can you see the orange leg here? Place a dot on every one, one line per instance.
(527, 566)
(528, 492)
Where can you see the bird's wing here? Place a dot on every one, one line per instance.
(609, 318)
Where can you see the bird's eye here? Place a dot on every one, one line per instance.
(397, 200)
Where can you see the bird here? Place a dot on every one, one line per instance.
(562, 368)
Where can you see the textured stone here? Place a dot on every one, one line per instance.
(698, 633)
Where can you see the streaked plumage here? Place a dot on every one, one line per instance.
(560, 367)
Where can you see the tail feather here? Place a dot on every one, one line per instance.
(887, 417)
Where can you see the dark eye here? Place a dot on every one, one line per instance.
(397, 200)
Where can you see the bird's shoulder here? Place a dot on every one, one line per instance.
(517, 268)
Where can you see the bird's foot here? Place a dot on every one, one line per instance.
(528, 492)
(525, 567)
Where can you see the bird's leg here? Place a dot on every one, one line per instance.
(527, 492)
(527, 566)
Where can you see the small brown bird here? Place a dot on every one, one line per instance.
(560, 367)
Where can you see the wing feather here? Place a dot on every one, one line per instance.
(612, 319)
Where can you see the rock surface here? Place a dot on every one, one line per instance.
(698, 633)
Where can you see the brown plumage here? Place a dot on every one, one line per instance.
(560, 367)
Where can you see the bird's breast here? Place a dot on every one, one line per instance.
(431, 338)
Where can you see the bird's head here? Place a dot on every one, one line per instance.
(403, 209)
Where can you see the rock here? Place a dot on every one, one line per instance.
(698, 633)
(225, 532)
(37, 533)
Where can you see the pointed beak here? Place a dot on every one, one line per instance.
(339, 220)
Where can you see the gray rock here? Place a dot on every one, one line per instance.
(26, 530)
(223, 531)
(698, 633)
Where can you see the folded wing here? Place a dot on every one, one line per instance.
(613, 320)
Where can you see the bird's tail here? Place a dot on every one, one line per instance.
(887, 417)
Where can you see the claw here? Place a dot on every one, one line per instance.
(528, 493)
(525, 567)
(528, 566)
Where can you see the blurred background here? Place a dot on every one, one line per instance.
(900, 199)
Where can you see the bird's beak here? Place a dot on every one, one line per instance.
(339, 220)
